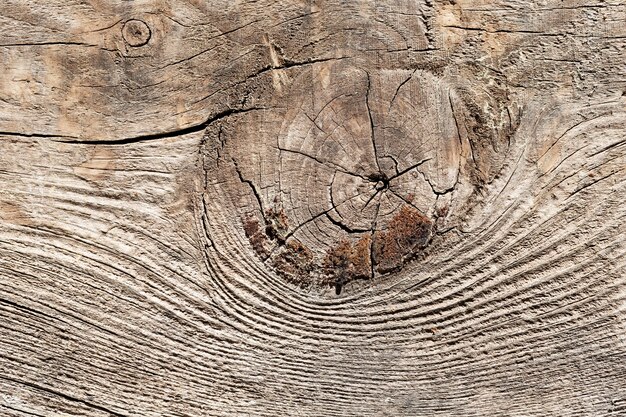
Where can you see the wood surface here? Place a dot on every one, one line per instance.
(312, 208)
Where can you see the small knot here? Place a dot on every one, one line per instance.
(136, 33)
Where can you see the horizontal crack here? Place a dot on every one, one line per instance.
(36, 135)
(165, 135)
(8, 45)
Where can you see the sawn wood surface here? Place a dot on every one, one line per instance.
(312, 208)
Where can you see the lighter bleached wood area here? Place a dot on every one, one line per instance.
(312, 208)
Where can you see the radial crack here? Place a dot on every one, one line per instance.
(343, 226)
(406, 201)
(328, 164)
(373, 232)
(369, 115)
(412, 167)
(399, 87)
(252, 187)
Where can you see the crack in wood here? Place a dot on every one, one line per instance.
(165, 135)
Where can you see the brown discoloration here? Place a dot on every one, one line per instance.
(294, 261)
(382, 251)
(349, 261)
(277, 224)
(389, 249)
(256, 236)
(290, 258)
(406, 233)
(442, 211)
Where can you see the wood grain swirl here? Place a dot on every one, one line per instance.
(322, 208)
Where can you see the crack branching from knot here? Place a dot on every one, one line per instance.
(371, 120)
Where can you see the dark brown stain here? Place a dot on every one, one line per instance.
(349, 261)
(407, 232)
(277, 224)
(294, 260)
(258, 239)
(381, 251)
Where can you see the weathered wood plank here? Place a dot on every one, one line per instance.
(312, 208)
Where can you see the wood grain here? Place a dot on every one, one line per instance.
(312, 208)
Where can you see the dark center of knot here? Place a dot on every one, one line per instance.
(378, 177)
(136, 33)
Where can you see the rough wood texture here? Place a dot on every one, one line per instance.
(312, 208)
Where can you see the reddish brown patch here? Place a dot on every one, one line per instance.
(255, 235)
(294, 260)
(408, 231)
(277, 224)
(348, 261)
(440, 215)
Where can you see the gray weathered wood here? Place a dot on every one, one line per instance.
(316, 208)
